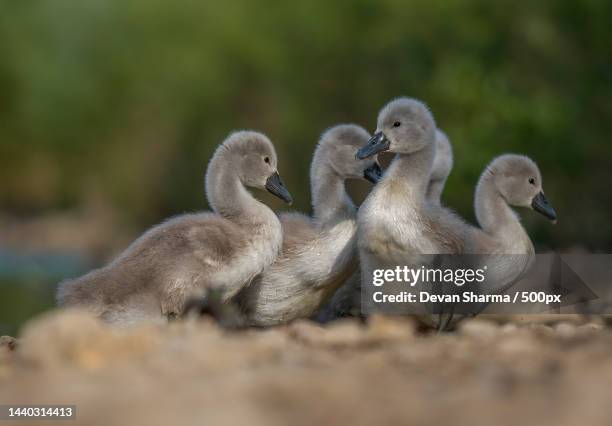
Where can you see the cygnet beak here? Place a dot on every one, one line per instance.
(373, 173)
(275, 186)
(542, 206)
(376, 144)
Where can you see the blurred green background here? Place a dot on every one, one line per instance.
(110, 110)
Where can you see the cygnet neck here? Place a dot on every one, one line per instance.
(330, 200)
(434, 191)
(414, 170)
(228, 196)
(493, 213)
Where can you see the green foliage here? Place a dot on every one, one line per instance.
(22, 299)
(129, 98)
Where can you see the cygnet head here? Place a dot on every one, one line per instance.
(404, 126)
(443, 161)
(518, 180)
(337, 148)
(253, 158)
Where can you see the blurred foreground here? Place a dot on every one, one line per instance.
(384, 372)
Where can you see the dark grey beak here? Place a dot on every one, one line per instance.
(373, 173)
(542, 206)
(376, 144)
(275, 186)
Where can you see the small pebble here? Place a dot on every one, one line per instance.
(565, 330)
(8, 342)
(478, 328)
(590, 327)
(508, 328)
(341, 333)
(384, 328)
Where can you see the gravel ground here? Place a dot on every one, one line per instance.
(545, 371)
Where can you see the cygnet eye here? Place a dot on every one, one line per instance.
(397, 124)
(532, 181)
(267, 160)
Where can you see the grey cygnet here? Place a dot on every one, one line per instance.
(188, 254)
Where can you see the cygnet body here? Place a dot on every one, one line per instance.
(188, 254)
(398, 226)
(319, 253)
(442, 166)
(509, 180)
(501, 246)
(396, 222)
(347, 300)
